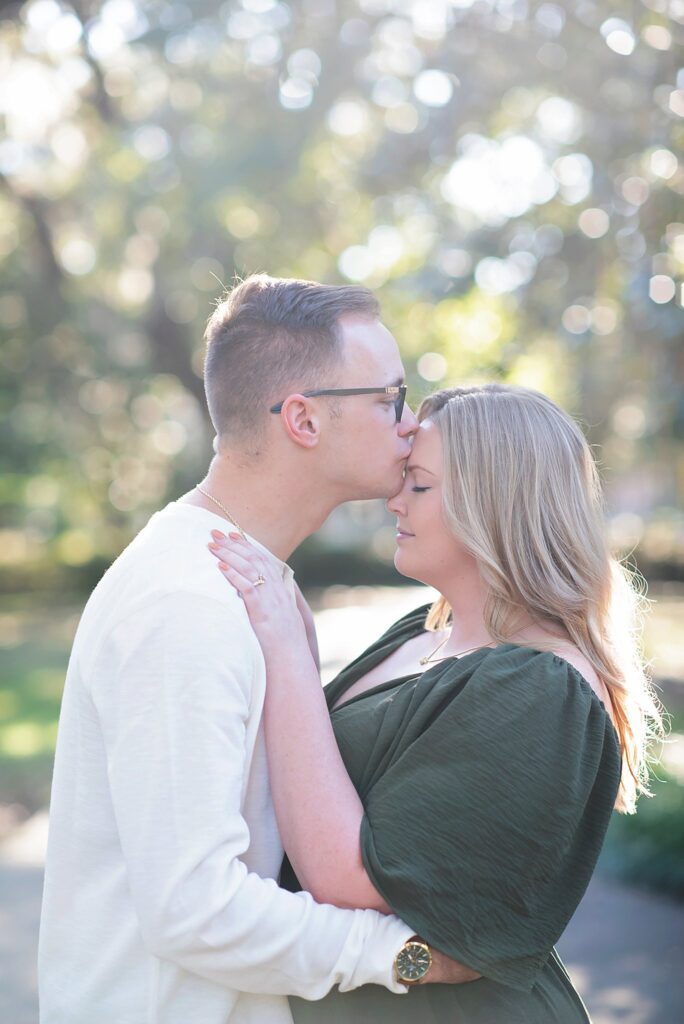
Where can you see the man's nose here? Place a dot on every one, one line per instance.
(408, 425)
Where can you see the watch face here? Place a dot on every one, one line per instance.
(413, 962)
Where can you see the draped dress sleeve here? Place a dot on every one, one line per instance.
(486, 806)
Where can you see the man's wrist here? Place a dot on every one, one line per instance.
(413, 962)
(380, 944)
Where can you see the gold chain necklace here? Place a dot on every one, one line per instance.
(428, 659)
(223, 509)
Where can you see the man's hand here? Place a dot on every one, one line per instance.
(448, 972)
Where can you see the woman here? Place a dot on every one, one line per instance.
(462, 771)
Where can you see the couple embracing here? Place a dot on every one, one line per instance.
(441, 804)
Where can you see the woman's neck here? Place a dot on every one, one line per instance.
(466, 593)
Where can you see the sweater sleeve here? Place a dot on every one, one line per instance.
(173, 706)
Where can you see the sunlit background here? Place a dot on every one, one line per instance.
(506, 174)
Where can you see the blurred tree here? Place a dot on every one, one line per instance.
(505, 173)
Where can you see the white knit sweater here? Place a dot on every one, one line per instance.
(160, 905)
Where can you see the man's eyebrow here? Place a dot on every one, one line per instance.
(396, 383)
(410, 469)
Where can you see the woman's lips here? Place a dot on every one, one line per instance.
(403, 535)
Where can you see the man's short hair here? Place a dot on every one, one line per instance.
(269, 337)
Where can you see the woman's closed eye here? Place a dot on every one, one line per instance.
(419, 490)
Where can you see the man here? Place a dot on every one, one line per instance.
(160, 902)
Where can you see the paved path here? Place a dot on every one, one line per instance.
(624, 949)
(20, 890)
(21, 884)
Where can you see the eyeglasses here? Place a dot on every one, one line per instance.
(399, 391)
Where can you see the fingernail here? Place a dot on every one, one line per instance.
(218, 534)
(234, 536)
(213, 547)
(223, 566)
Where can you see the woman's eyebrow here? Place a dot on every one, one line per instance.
(409, 469)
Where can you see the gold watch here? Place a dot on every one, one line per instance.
(413, 961)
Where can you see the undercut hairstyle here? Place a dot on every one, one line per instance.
(522, 493)
(269, 337)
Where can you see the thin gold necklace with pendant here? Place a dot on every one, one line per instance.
(223, 509)
(429, 660)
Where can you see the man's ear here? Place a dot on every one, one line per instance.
(301, 421)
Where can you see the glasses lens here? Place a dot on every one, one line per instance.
(399, 404)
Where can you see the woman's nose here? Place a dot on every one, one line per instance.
(395, 504)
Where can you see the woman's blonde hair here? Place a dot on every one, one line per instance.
(522, 493)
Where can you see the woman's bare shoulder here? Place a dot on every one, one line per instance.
(574, 657)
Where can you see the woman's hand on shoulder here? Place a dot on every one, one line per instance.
(271, 603)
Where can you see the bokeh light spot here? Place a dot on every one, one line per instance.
(576, 319)
(619, 36)
(676, 102)
(296, 93)
(303, 63)
(242, 221)
(433, 88)
(169, 437)
(657, 36)
(498, 180)
(151, 142)
(629, 420)
(432, 366)
(348, 117)
(594, 223)
(77, 256)
(74, 547)
(402, 119)
(635, 190)
(663, 163)
(356, 263)
(661, 288)
(559, 119)
(456, 262)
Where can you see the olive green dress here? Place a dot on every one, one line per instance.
(488, 784)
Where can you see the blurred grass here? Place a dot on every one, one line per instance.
(34, 652)
(646, 849)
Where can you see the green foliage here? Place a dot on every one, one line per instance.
(648, 848)
(505, 174)
(33, 659)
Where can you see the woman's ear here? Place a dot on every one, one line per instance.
(301, 421)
